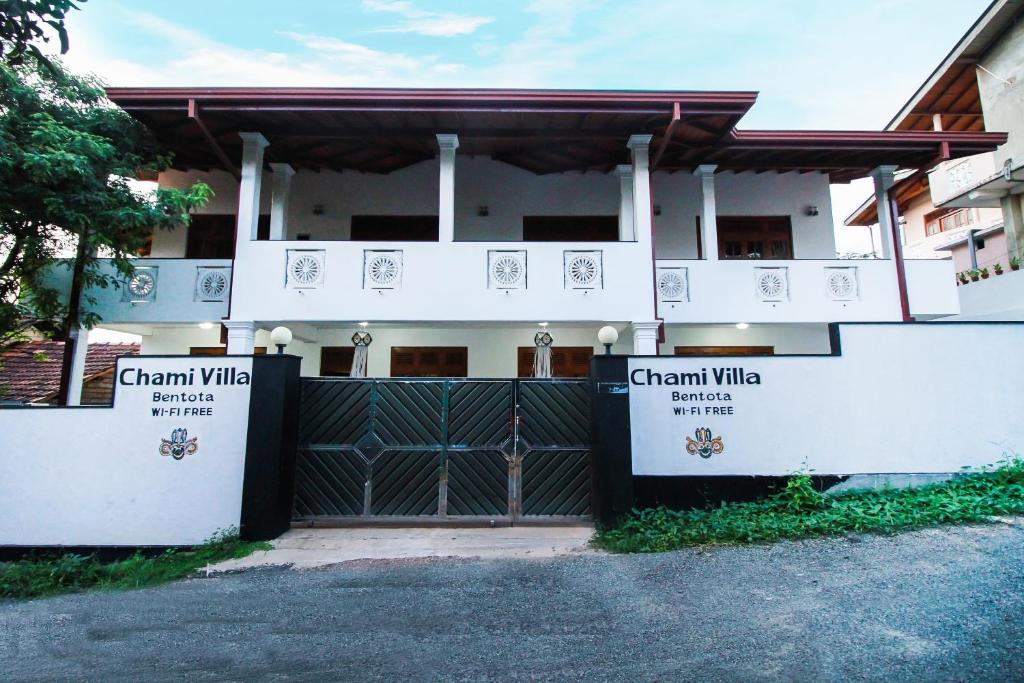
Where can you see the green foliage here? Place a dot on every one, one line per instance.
(68, 154)
(25, 22)
(68, 573)
(800, 511)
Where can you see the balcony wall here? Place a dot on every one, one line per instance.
(799, 291)
(427, 281)
(162, 291)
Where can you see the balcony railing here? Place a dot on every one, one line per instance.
(461, 281)
(799, 291)
(160, 291)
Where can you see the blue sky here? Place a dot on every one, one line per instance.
(816, 63)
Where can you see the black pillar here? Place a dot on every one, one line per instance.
(269, 483)
(611, 456)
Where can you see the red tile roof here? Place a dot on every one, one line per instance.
(25, 375)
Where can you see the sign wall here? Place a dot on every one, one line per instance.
(898, 398)
(163, 466)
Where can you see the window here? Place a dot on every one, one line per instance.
(756, 237)
(429, 361)
(394, 229)
(336, 361)
(945, 220)
(212, 235)
(219, 350)
(566, 361)
(725, 350)
(570, 228)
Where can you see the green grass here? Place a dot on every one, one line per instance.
(800, 511)
(68, 573)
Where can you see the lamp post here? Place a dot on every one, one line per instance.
(607, 335)
(280, 337)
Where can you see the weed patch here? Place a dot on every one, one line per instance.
(800, 511)
(44, 575)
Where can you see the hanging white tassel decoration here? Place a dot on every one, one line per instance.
(362, 341)
(542, 357)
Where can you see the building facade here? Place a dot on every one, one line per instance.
(969, 208)
(453, 225)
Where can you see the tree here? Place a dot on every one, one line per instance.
(24, 22)
(66, 157)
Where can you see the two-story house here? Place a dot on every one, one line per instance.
(452, 225)
(969, 208)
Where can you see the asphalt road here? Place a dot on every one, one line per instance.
(932, 605)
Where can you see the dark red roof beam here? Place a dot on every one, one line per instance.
(193, 113)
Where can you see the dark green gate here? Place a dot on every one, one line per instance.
(443, 448)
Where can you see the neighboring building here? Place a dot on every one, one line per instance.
(970, 207)
(453, 222)
(30, 372)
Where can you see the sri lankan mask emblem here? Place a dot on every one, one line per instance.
(705, 446)
(179, 445)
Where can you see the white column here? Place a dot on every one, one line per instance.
(448, 142)
(645, 338)
(640, 145)
(884, 177)
(249, 187)
(626, 231)
(279, 200)
(78, 366)
(708, 211)
(241, 337)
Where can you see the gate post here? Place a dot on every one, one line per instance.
(611, 457)
(268, 487)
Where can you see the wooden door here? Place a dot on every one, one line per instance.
(566, 361)
(336, 361)
(212, 235)
(429, 361)
(755, 237)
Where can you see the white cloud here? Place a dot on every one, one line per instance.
(423, 22)
(196, 60)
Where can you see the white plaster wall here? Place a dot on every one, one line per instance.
(745, 194)
(176, 341)
(492, 350)
(442, 282)
(787, 339)
(1003, 102)
(871, 410)
(511, 193)
(95, 476)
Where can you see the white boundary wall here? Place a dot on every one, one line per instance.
(95, 476)
(900, 398)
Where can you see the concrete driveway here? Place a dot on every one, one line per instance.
(930, 605)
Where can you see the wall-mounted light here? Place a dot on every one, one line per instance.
(657, 209)
(811, 210)
(742, 326)
(206, 326)
(364, 324)
(318, 209)
(483, 211)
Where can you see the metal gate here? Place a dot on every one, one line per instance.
(444, 448)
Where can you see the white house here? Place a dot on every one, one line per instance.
(454, 222)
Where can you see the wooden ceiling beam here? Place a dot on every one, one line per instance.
(193, 113)
(670, 131)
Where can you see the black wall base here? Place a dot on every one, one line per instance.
(269, 483)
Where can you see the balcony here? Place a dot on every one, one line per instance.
(161, 291)
(799, 291)
(430, 281)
